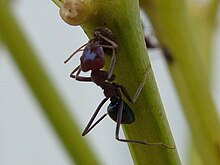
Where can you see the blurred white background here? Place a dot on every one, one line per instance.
(25, 135)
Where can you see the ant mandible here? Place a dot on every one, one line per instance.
(93, 57)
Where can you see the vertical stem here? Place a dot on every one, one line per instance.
(190, 74)
(43, 89)
(122, 17)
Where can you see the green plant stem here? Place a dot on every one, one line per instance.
(58, 2)
(203, 20)
(213, 7)
(172, 25)
(193, 157)
(122, 17)
(43, 89)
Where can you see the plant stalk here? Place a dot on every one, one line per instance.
(132, 62)
(189, 71)
(43, 89)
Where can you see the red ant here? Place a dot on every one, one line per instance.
(93, 57)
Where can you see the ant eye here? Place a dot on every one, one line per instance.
(74, 12)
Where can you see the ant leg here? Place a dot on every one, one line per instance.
(160, 144)
(76, 51)
(138, 91)
(125, 93)
(72, 73)
(113, 47)
(89, 126)
(112, 65)
(119, 118)
(80, 78)
(77, 77)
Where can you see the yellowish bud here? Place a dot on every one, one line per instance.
(74, 12)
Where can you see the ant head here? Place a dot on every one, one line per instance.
(101, 32)
(93, 58)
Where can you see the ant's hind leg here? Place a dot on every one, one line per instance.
(138, 91)
(119, 118)
(160, 144)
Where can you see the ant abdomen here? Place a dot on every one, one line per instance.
(128, 116)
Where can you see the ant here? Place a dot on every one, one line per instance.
(93, 57)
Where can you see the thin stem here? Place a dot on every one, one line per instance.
(58, 2)
(190, 74)
(203, 20)
(213, 7)
(122, 17)
(43, 89)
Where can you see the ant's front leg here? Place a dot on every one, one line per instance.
(77, 77)
(113, 46)
(76, 69)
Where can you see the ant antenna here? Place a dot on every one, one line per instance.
(77, 50)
